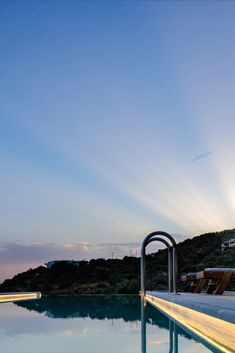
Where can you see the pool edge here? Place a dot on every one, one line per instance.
(216, 332)
(17, 296)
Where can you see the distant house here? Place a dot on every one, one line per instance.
(228, 244)
(49, 264)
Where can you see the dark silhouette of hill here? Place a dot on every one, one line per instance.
(122, 276)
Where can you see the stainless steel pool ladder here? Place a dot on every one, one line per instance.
(172, 259)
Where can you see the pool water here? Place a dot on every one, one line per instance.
(90, 324)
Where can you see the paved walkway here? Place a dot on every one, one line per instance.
(219, 306)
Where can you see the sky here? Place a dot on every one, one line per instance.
(116, 119)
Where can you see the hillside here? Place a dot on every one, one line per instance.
(118, 276)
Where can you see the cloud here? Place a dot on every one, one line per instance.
(85, 246)
(14, 253)
(16, 257)
(70, 246)
(20, 256)
(202, 156)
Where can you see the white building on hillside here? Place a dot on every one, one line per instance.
(228, 244)
(49, 264)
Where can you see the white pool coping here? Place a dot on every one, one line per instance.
(16, 296)
(219, 306)
(210, 317)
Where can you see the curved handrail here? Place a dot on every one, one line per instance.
(173, 264)
(169, 248)
(159, 232)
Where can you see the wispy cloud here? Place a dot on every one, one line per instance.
(201, 156)
(16, 257)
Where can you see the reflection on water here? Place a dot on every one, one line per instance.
(91, 324)
(174, 332)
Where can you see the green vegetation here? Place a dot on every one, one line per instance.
(115, 276)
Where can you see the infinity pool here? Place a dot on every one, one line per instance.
(90, 324)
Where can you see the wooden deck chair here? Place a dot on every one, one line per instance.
(216, 278)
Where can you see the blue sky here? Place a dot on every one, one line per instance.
(105, 107)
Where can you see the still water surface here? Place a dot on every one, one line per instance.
(90, 324)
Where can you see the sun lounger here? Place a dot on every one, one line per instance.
(190, 277)
(215, 280)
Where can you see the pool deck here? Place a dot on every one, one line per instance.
(16, 296)
(210, 317)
